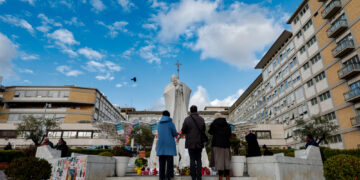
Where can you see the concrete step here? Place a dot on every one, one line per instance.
(176, 178)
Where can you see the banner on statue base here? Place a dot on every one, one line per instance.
(119, 129)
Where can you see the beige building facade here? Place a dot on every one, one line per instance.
(77, 109)
(313, 70)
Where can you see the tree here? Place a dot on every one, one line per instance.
(143, 136)
(110, 130)
(35, 129)
(319, 127)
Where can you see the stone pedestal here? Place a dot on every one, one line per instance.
(88, 167)
(47, 153)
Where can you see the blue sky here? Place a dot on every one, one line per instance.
(104, 43)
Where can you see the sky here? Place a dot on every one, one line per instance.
(104, 43)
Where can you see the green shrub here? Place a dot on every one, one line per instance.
(109, 154)
(9, 155)
(88, 151)
(140, 162)
(121, 151)
(148, 153)
(28, 168)
(342, 167)
(328, 153)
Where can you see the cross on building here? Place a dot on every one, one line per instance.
(178, 68)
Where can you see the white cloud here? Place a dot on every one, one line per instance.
(2, 1)
(26, 71)
(147, 52)
(31, 2)
(7, 53)
(63, 36)
(18, 22)
(105, 69)
(174, 23)
(126, 4)
(97, 5)
(115, 27)
(233, 34)
(26, 57)
(67, 71)
(158, 5)
(64, 39)
(158, 105)
(149, 26)
(46, 23)
(90, 53)
(200, 98)
(107, 76)
(75, 22)
(119, 85)
(27, 81)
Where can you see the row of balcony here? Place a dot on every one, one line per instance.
(331, 9)
(343, 47)
(355, 121)
(337, 28)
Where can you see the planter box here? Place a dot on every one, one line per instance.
(4, 165)
(121, 165)
(237, 165)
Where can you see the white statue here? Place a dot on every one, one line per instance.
(177, 96)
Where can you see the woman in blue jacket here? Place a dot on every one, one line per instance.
(166, 147)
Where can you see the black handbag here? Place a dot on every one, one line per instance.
(204, 138)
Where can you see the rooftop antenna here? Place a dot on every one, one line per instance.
(178, 68)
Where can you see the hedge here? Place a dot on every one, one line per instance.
(342, 167)
(28, 168)
(9, 155)
(328, 153)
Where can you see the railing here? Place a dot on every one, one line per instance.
(344, 44)
(355, 121)
(348, 69)
(352, 94)
(336, 26)
(330, 7)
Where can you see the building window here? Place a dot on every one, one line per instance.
(307, 25)
(17, 94)
(263, 134)
(53, 94)
(316, 59)
(296, 19)
(330, 116)
(299, 34)
(314, 101)
(30, 93)
(42, 93)
(355, 85)
(306, 66)
(320, 77)
(311, 42)
(54, 134)
(7, 134)
(293, 62)
(324, 96)
(84, 134)
(310, 83)
(335, 139)
(69, 134)
(64, 94)
(302, 50)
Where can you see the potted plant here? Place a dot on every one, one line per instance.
(122, 157)
(237, 160)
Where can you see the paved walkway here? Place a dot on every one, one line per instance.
(2, 175)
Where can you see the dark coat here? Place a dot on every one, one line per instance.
(268, 153)
(253, 145)
(63, 148)
(166, 133)
(193, 135)
(8, 147)
(311, 143)
(221, 132)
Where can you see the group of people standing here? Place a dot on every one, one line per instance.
(194, 129)
(61, 146)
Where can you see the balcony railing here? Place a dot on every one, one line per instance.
(337, 28)
(331, 9)
(343, 47)
(355, 121)
(349, 71)
(353, 95)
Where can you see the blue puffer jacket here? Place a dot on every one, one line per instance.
(166, 133)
